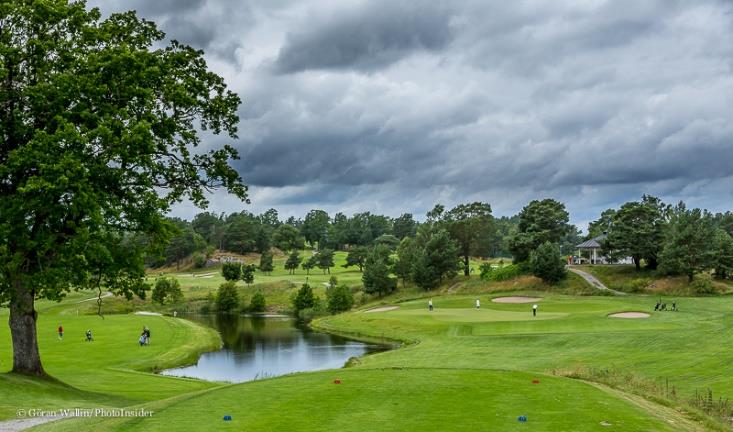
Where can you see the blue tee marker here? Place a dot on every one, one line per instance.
(522, 419)
(227, 418)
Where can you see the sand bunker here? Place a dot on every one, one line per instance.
(516, 299)
(146, 313)
(630, 315)
(382, 309)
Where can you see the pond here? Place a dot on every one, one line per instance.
(260, 347)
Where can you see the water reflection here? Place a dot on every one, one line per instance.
(256, 347)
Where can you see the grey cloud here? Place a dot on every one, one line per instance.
(367, 38)
(396, 106)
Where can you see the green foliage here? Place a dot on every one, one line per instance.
(266, 265)
(637, 230)
(310, 263)
(690, 246)
(315, 227)
(702, 287)
(227, 298)
(502, 273)
(332, 281)
(388, 240)
(325, 260)
(471, 226)
(547, 264)
(287, 238)
(485, 270)
(339, 299)
(257, 303)
(377, 268)
(436, 262)
(248, 273)
(199, 261)
(184, 243)
(232, 271)
(724, 254)
(356, 257)
(167, 288)
(304, 298)
(293, 261)
(404, 226)
(403, 266)
(539, 222)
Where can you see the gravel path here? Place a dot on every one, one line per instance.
(593, 280)
(26, 423)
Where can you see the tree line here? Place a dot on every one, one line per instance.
(674, 239)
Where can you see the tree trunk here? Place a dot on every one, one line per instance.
(466, 266)
(26, 359)
(637, 263)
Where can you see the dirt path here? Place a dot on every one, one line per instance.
(593, 280)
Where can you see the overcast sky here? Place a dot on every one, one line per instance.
(391, 106)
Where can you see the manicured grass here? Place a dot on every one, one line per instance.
(111, 370)
(462, 368)
(393, 399)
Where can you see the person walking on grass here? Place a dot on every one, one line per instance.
(89, 336)
(430, 305)
(61, 332)
(478, 304)
(534, 310)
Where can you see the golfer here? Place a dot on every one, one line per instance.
(478, 304)
(534, 310)
(430, 305)
(61, 331)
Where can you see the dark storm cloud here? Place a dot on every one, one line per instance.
(393, 106)
(368, 37)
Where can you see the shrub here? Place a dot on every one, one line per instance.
(546, 263)
(257, 304)
(227, 297)
(486, 270)
(167, 288)
(702, 286)
(199, 261)
(248, 273)
(304, 298)
(231, 271)
(339, 299)
(498, 274)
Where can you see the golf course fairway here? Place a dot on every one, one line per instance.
(460, 368)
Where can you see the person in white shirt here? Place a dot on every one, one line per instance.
(478, 304)
(534, 310)
(430, 304)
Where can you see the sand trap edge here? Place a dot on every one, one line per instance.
(516, 299)
(629, 315)
(381, 309)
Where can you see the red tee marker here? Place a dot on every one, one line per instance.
(535, 381)
(337, 381)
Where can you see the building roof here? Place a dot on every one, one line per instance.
(594, 243)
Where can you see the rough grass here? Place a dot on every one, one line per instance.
(627, 279)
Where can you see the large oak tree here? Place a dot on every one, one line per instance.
(99, 128)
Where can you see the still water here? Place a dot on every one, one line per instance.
(259, 347)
